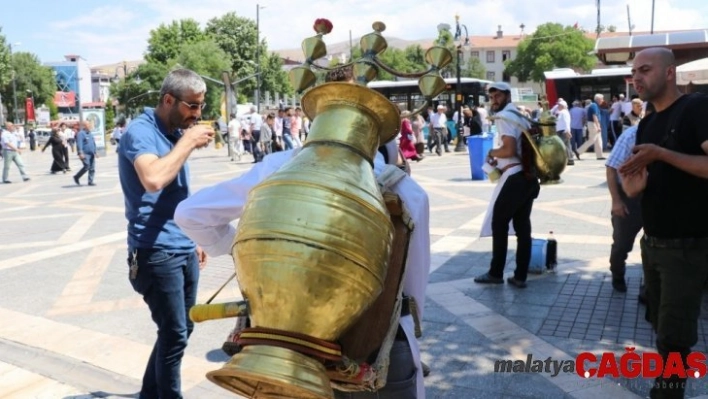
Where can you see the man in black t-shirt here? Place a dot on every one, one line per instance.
(669, 166)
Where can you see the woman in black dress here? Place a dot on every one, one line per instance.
(58, 146)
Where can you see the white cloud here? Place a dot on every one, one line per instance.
(113, 33)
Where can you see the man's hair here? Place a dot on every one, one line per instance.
(180, 81)
(340, 74)
(598, 95)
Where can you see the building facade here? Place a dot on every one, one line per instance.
(74, 89)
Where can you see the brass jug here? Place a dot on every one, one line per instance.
(551, 156)
(313, 242)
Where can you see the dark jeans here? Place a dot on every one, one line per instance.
(66, 156)
(168, 283)
(400, 381)
(624, 231)
(255, 138)
(674, 279)
(577, 138)
(89, 162)
(514, 205)
(616, 129)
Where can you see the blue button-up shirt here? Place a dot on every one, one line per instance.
(85, 143)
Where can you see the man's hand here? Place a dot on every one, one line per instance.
(633, 184)
(81, 157)
(643, 155)
(202, 257)
(199, 135)
(619, 209)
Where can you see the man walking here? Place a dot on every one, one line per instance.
(11, 152)
(669, 168)
(163, 263)
(594, 129)
(86, 150)
(626, 212)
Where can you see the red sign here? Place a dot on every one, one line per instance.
(64, 99)
(29, 109)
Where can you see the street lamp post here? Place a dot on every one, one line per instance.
(460, 146)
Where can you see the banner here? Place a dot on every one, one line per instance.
(29, 109)
(64, 99)
(96, 119)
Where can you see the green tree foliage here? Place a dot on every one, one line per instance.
(237, 37)
(208, 59)
(415, 55)
(5, 67)
(30, 75)
(166, 40)
(474, 69)
(133, 94)
(551, 46)
(53, 110)
(110, 115)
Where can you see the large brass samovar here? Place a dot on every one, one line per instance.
(313, 242)
(550, 156)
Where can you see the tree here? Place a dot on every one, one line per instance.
(416, 55)
(53, 110)
(207, 59)
(32, 76)
(132, 95)
(5, 67)
(236, 36)
(110, 114)
(551, 46)
(165, 41)
(612, 28)
(447, 40)
(474, 69)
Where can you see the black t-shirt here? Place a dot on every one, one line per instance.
(675, 203)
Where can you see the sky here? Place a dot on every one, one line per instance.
(109, 31)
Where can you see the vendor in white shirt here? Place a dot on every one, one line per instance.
(514, 194)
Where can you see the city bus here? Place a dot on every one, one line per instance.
(406, 93)
(569, 85)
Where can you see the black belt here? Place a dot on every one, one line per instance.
(675, 243)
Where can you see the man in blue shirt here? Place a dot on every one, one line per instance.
(86, 150)
(163, 262)
(594, 129)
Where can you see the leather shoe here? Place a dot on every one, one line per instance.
(516, 283)
(619, 284)
(76, 180)
(487, 279)
(426, 369)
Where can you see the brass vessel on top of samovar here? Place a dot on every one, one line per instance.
(313, 242)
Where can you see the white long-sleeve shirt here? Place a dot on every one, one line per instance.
(563, 121)
(206, 218)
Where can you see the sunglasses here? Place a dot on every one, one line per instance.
(191, 106)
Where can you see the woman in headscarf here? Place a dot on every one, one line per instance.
(407, 139)
(58, 145)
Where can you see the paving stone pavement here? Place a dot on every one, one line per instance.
(71, 326)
